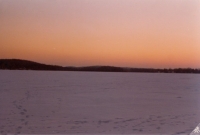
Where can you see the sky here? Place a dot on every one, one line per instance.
(126, 33)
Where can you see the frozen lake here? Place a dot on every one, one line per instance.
(45, 102)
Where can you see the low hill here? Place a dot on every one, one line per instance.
(16, 64)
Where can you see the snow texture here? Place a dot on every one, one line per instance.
(45, 102)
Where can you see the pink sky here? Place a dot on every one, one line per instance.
(133, 33)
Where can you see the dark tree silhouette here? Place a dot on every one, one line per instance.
(16, 64)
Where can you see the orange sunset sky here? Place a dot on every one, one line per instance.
(127, 33)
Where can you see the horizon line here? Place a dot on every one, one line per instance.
(99, 65)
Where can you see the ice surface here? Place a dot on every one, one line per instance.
(43, 102)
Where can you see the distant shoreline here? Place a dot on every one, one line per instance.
(18, 64)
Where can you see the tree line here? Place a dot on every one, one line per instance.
(16, 64)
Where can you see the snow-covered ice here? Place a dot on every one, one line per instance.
(45, 102)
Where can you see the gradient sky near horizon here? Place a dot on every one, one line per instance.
(127, 33)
